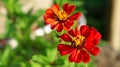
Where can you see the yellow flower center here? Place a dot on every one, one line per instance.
(62, 15)
(78, 40)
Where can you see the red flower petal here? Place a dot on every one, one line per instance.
(73, 56)
(54, 25)
(70, 22)
(64, 49)
(65, 7)
(76, 31)
(76, 56)
(59, 27)
(55, 8)
(67, 25)
(50, 21)
(66, 37)
(97, 38)
(92, 32)
(86, 57)
(46, 16)
(75, 16)
(80, 57)
(92, 39)
(71, 9)
(72, 32)
(50, 12)
(84, 30)
(94, 51)
(89, 45)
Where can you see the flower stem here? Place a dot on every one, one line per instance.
(86, 65)
(56, 57)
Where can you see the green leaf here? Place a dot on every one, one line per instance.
(29, 13)
(40, 59)
(5, 56)
(59, 62)
(80, 65)
(51, 54)
(25, 64)
(34, 18)
(34, 64)
(40, 23)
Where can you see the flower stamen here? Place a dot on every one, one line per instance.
(62, 15)
(78, 40)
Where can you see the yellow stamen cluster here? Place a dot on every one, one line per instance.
(62, 15)
(78, 40)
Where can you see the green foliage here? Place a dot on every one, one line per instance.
(5, 56)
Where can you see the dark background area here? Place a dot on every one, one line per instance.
(98, 15)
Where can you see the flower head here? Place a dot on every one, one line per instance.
(83, 42)
(61, 19)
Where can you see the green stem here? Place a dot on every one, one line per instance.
(56, 57)
(86, 65)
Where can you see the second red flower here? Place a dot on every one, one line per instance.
(61, 19)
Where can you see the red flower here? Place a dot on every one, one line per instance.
(83, 42)
(61, 19)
